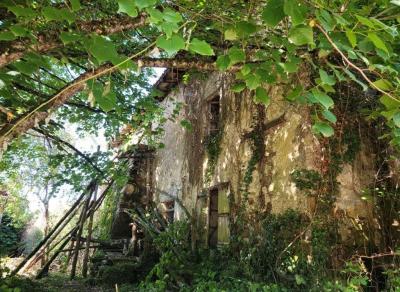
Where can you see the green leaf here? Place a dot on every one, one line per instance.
(325, 78)
(201, 47)
(19, 30)
(238, 87)
(145, 3)
(296, 10)
(326, 19)
(51, 13)
(69, 37)
(75, 5)
(295, 93)
(95, 91)
(329, 116)
(246, 69)
(230, 35)
(7, 36)
(389, 102)
(171, 45)
(253, 81)
(389, 114)
(396, 119)
(54, 14)
(107, 101)
(236, 55)
(170, 15)
(25, 67)
(273, 12)
(169, 28)
(68, 16)
(245, 28)
(223, 62)
(262, 96)
(156, 15)
(323, 128)
(301, 35)
(383, 84)
(377, 41)
(323, 99)
(20, 11)
(128, 7)
(290, 66)
(102, 49)
(37, 59)
(351, 36)
(365, 21)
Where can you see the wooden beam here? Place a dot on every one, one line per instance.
(55, 228)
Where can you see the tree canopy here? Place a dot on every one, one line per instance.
(89, 62)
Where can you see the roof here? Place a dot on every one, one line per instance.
(168, 81)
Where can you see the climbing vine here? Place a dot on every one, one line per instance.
(213, 150)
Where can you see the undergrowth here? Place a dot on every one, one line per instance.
(281, 256)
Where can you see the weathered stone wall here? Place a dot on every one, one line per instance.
(287, 144)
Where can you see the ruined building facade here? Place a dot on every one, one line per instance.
(225, 148)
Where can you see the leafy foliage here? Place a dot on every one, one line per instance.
(10, 236)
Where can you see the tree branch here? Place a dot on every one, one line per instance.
(41, 112)
(86, 107)
(50, 40)
(70, 146)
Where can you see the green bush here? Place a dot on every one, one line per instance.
(10, 236)
(19, 284)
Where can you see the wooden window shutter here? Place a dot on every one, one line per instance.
(223, 215)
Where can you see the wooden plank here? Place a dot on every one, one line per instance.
(223, 229)
(80, 230)
(223, 200)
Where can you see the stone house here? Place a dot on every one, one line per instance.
(233, 148)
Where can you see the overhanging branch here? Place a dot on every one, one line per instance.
(49, 41)
(42, 111)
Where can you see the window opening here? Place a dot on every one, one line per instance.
(214, 115)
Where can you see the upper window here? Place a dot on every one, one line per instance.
(214, 115)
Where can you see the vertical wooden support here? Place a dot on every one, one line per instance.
(45, 269)
(79, 233)
(89, 237)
